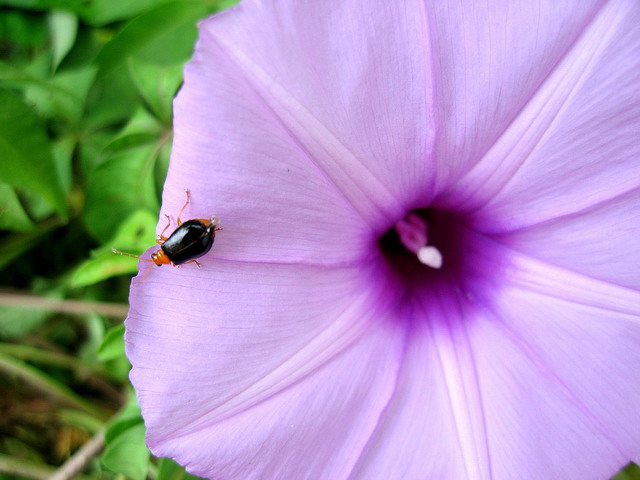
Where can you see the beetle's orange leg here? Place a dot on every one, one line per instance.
(161, 238)
(192, 261)
(184, 206)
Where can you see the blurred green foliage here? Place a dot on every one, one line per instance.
(86, 89)
(85, 134)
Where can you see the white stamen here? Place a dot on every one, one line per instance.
(430, 256)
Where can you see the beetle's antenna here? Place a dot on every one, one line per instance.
(136, 256)
(130, 255)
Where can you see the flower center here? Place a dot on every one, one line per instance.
(413, 233)
(430, 248)
(437, 256)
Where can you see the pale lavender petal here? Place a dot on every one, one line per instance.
(429, 430)
(557, 356)
(575, 144)
(307, 150)
(314, 428)
(600, 242)
(519, 384)
(490, 58)
(272, 363)
(229, 325)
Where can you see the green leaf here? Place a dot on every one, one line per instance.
(91, 149)
(170, 470)
(119, 186)
(141, 128)
(102, 266)
(28, 4)
(14, 245)
(134, 235)
(137, 232)
(20, 77)
(158, 85)
(631, 472)
(45, 4)
(26, 160)
(95, 12)
(38, 207)
(21, 31)
(111, 354)
(63, 27)
(64, 95)
(101, 12)
(130, 415)
(18, 317)
(113, 344)
(40, 65)
(12, 213)
(62, 154)
(125, 451)
(142, 121)
(165, 35)
(16, 322)
(95, 332)
(113, 100)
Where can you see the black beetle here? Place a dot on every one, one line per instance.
(192, 239)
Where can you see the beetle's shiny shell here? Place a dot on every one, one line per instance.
(189, 241)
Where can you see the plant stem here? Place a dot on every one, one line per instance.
(78, 307)
(26, 469)
(48, 357)
(79, 460)
(93, 375)
(48, 385)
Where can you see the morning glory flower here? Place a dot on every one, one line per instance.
(429, 267)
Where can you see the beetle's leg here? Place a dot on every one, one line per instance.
(161, 238)
(192, 261)
(184, 206)
(211, 222)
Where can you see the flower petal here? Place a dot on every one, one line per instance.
(329, 124)
(230, 357)
(313, 429)
(431, 427)
(489, 59)
(557, 358)
(601, 242)
(575, 144)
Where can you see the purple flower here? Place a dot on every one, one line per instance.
(429, 267)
